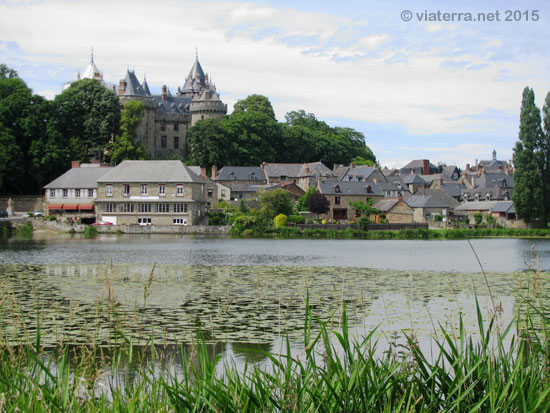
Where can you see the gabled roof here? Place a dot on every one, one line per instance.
(240, 173)
(454, 190)
(357, 173)
(150, 172)
(295, 170)
(476, 206)
(442, 197)
(350, 188)
(79, 178)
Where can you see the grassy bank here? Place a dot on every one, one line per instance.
(333, 372)
(421, 233)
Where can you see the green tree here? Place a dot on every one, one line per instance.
(124, 146)
(88, 116)
(545, 158)
(528, 192)
(6, 72)
(256, 103)
(209, 144)
(275, 202)
(365, 208)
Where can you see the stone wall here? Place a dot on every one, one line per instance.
(168, 229)
(23, 203)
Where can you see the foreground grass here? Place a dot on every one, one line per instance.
(412, 234)
(333, 372)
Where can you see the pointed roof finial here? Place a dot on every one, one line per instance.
(196, 53)
(92, 55)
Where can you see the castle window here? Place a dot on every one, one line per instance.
(163, 125)
(163, 142)
(176, 142)
(176, 126)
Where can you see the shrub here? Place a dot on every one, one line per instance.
(280, 220)
(90, 232)
(297, 219)
(51, 218)
(438, 218)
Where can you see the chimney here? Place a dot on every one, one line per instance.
(164, 93)
(75, 164)
(214, 172)
(203, 173)
(482, 172)
(400, 199)
(121, 87)
(307, 170)
(262, 166)
(425, 166)
(468, 167)
(78, 76)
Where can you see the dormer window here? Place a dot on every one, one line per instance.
(283, 178)
(252, 175)
(488, 197)
(337, 189)
(369, 189)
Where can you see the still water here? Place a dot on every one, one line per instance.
(246, 293)
(504, 255)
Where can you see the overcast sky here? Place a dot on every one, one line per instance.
(449, 91)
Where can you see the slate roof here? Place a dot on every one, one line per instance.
(414, 179)
(504, 206)
(173, 104)
(295, 170)
(385, 205)
(430, 198)
(358, 173)
(454, 190)
(240, 173)
(133, 87)
(418, 167)
(79, 178)
(350, 188)
(195, 72)
(145, 87)
(150, 172)
(476, 206)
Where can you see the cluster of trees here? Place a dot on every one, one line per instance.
(532, 161)
(39, 137)
(252, 135)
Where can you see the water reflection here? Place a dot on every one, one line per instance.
(495, 254)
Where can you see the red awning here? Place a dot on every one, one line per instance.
(70, 206)
(55, 206)
(86, 207)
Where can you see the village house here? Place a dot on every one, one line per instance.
(484, 186)
(428, 203)
(395, 210)
(243, 181)
(152, 193)
(73, 193)
(358, 173)
(214, 191)
(419, 167)
(341, 194)
(305, 175)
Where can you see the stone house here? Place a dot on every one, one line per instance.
(152, 193)
(341, 194)
(419, 167)
(427, 203)
(359, 173)
(395, 210)
(305, 175)
(228, 175)
(73, 193)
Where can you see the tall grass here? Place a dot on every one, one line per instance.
(334, 372)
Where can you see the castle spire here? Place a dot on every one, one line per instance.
(92, 55)
(196, 53)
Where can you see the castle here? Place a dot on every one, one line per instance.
(166, 117)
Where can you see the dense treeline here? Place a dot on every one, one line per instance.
(39, 138)
(251, 135)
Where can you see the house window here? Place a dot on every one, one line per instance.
(210, 192)
(90, 193)
(126, 189)
(52, 193)
(283, 178)
(127, 207)
(223, 193)
(65, 193)
(179, 190)
(163, 207)
(144, 190)
(181, 208)
(176, 142)
(108, 207)
(162, 189)
(144, 221)
(163, 125)
(77, 193)
(179, 221)
(108, 190)
(163, 141)
(176, 126)
(337, 200)
(144, 207)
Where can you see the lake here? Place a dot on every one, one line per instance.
(252, 292)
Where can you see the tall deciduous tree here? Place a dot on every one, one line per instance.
(318, 203)
(528, 193)
(545, 157)
(124, 146)
(88, 116)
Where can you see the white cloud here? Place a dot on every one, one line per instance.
(373, 42)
